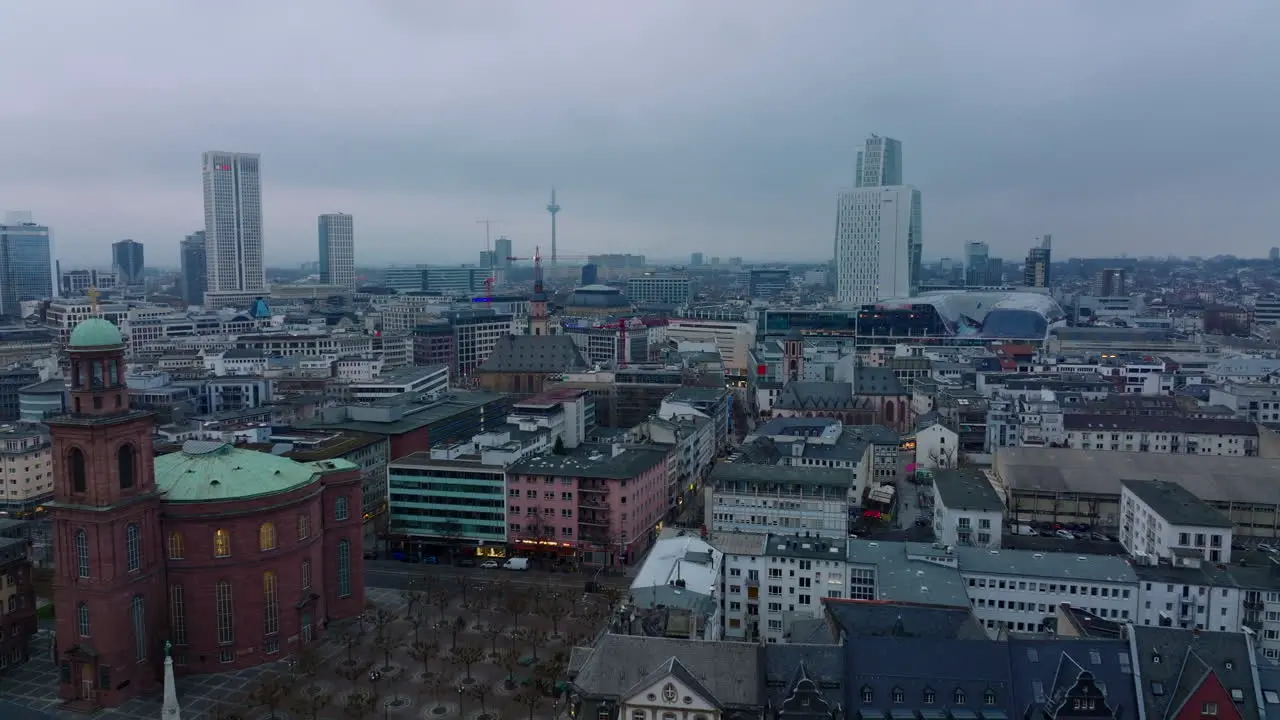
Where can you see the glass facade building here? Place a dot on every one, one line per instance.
(453, 500)
(26, 270)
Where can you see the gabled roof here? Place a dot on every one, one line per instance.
(816, 395)
(858, 619)
(675, 669)
(729, 671)
(533, 354)
(787, 664)
(1174, 663)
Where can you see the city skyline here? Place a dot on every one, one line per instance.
(733, 141)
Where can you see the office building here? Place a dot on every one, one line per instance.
(193, 259)
(695, 259)
(77, 283)
(127, 262)
(337, 250)
(879, 163)
(26, 270)
(1111, 282)
(652, 288)
(233, 222)
(502, 252)
(877, 244)
(767, 284)
(975, 264)
(995, 272)
(1035, 273)
(590, 274)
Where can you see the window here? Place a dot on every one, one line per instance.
(989, 697)
(899, 696)
(125, 466)
(132, 551)
(304, 527)
(175, 545)
(306, 574)
(957, 698)
(930, 697)
(177, 615)
(270, 604)
(221, 543)
(223, 612)
(79, 482)
(267, 536)
(82, 553)
(82, 620)
(344, 568)
(1209, 708)
(340, 508)
(138, 618)
(867, 694)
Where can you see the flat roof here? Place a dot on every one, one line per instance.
(1213, 478)
(904, 575)
(781, 474)
(1064, 566)
(1176, 504)
(967, 489)
(593, 461)
(731, 543)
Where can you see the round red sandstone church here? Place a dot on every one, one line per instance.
(236, 557)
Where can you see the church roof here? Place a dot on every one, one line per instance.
(206, 471)
(534, 354)
(95, 332)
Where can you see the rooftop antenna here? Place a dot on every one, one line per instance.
(553, 207)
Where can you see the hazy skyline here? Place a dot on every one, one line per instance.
(666, 126)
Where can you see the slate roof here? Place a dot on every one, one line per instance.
(858, 619)
(1158, 424)
(1043, 670)
(876, 381)
(1175, 504)
(882, 665)
(1185, 661)
(823, 664)
(730, 671)
(816, 395)
(533, 354)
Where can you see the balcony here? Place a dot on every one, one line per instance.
(1254, 625)
(594, 535)
(591, 501)
(593, 486)
(1252, 604)
(598, 518)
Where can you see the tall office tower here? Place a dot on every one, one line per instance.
(191, 254)
(995, 271)
(233, 222)
(488, 259)
(26, 269)
(1035, 273)
(1110, 282)
(127, 262)
(695, 259)
(502, 252)
(877, 244)
(975, 264)
(337, 250)
(879, 163)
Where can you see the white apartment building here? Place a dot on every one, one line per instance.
(233, 222)
(26, 467)
(432, 382)
(475, 337)
(1017, 590)
(337, 250)
(1255, 402)
(1162, 520)
(235, 362)
(1190, 593)
(772, 581)
(877, 244)
(683, 572)
(655, 288)
(937, 446)
(358, 368)
(750, 498)
(1156, 434)
(967, 511)
(734, 340)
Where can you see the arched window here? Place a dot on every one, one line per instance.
(125, 465)
(132, 547)
(267, 536)
(82, 553)
(79, 480)
(223, 612)
(340, 508)
(175, 545)
(989, 697)
(957, 698)
(867, 694)
(270, 604)
(344, 568)
(304, 527)
(899, 696)
(221, 543)
(138, 618)
(82, 620)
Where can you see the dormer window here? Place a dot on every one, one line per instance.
(1155, 658)
(958, 697)
(899, 696)
(867, 694)
(989, 697)
(1230, 664)
(930, 697)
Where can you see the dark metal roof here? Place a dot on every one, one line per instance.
(1175, 663)
(967, 490)
(1175, 504)
(533, 354)
(1158, 424)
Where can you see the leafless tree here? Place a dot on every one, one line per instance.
(466, 655)
(456, 626)
(492, 631)
(417, 617)
(481, 690)
(437, 684)
(943, 458)
(359, 705)
(516, 603)
(423, 651)
(442, 599)
(271, 692)
(532, 698)
(509, 660)
(550, 673)
(535, 639)
(350, 640)
(386, 642)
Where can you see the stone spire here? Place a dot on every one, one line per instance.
(170, 710)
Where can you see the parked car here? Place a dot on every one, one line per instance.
(1064, 534)
(1266, 548)
(489, 564)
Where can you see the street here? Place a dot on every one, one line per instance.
(396, 575)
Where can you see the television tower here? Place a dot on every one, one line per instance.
(553, 207)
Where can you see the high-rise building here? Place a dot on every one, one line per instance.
(337, 250)
(26, 269)
(995, 271)
(695, 259)
(502, 252)
(1035, 273)
(878, 243)
(879, 163)
(1110, 282)
(233, 222)
(661, 289)
(975, 264)
(127, 262)
(192, 257)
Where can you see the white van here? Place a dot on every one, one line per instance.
(517, 564)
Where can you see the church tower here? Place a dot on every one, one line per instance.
(539, 323)
(109, 590)
(793, 357)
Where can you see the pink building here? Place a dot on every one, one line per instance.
(601, 503)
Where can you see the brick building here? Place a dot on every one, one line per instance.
(231, 555)
(17, 602)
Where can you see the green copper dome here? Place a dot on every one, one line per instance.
(211, 471)
(95, 332)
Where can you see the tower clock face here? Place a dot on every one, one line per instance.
(669, 692)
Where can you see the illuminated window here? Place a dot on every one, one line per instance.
(221, 544)
(267, 536)
(270, 604)
(306, 574)
(175, 545)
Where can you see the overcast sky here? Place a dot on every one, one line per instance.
(667, 126)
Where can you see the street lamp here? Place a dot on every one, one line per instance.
(374, 677)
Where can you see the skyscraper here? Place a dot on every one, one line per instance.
(26, 269)
(1035, 273)
(975, 264)
(879, 163)
(695, 259)
(878, 244)
(233, 222)
(337, 250)
(192, 256)
(127, 262)
(502, 252)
